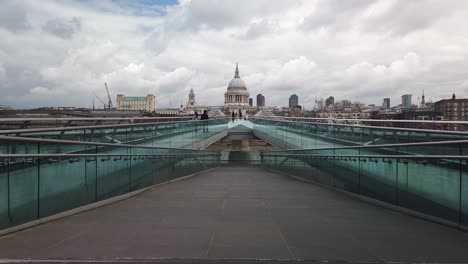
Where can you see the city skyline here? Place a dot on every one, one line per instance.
(58, 53)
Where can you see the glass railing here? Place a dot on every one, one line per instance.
(46, 178)
(293, 134)
(429, 178)
(163, 134)
(43, 122)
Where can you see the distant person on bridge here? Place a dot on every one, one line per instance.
(196, 116)
(204, 116)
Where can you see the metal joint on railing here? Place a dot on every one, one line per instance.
(117, 158)
(404, 161)
(75, 159)
(3, 162)
(53, 160)
(443, 162)
(363, 160)
(90, 159)
(30, 160)
(389, 161)
(105, 158)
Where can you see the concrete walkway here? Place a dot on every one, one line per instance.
(240, 213)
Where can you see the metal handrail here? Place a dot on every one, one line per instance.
(369, 156)
(449, 142)
(370, 120)
(372, 127)
(6, 156)
(89, 118)
(50, 129)
(71, 142)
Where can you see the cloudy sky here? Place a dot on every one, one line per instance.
(58, 53)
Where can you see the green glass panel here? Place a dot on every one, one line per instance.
(464, 193)
(113, 176)
(346, 174)
(430, 186)
(326, 168)
(141, 170)
(23, 188)
(378, 178)
(22, 148)
(4, 195)
(63, 185)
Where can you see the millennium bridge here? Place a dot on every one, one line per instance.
(263, 190)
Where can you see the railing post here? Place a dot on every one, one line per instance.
(359, 172)
(38, 182)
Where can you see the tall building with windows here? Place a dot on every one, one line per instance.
(454, 110)
(140, 103)
(406, 101)
(260, 100)
(386, 103)
(293, 101)
(250, 102)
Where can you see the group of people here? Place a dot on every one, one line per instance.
(235, 115)
(204, 116)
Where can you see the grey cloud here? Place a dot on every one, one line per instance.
(13, 16)
(17, 82)
(157, 41)
(62, 28)
(218, 14)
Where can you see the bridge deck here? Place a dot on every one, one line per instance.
(240, 212)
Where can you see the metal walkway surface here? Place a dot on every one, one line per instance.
(240, 213)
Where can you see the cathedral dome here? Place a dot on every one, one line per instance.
(236, 94)
(237, 83)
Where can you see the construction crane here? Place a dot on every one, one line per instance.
(109, 104)
(100, 100)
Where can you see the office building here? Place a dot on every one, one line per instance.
(330, 101)
(141, 103)
(293, 101)
(386, 103)
(260, 100)
(406, 101)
